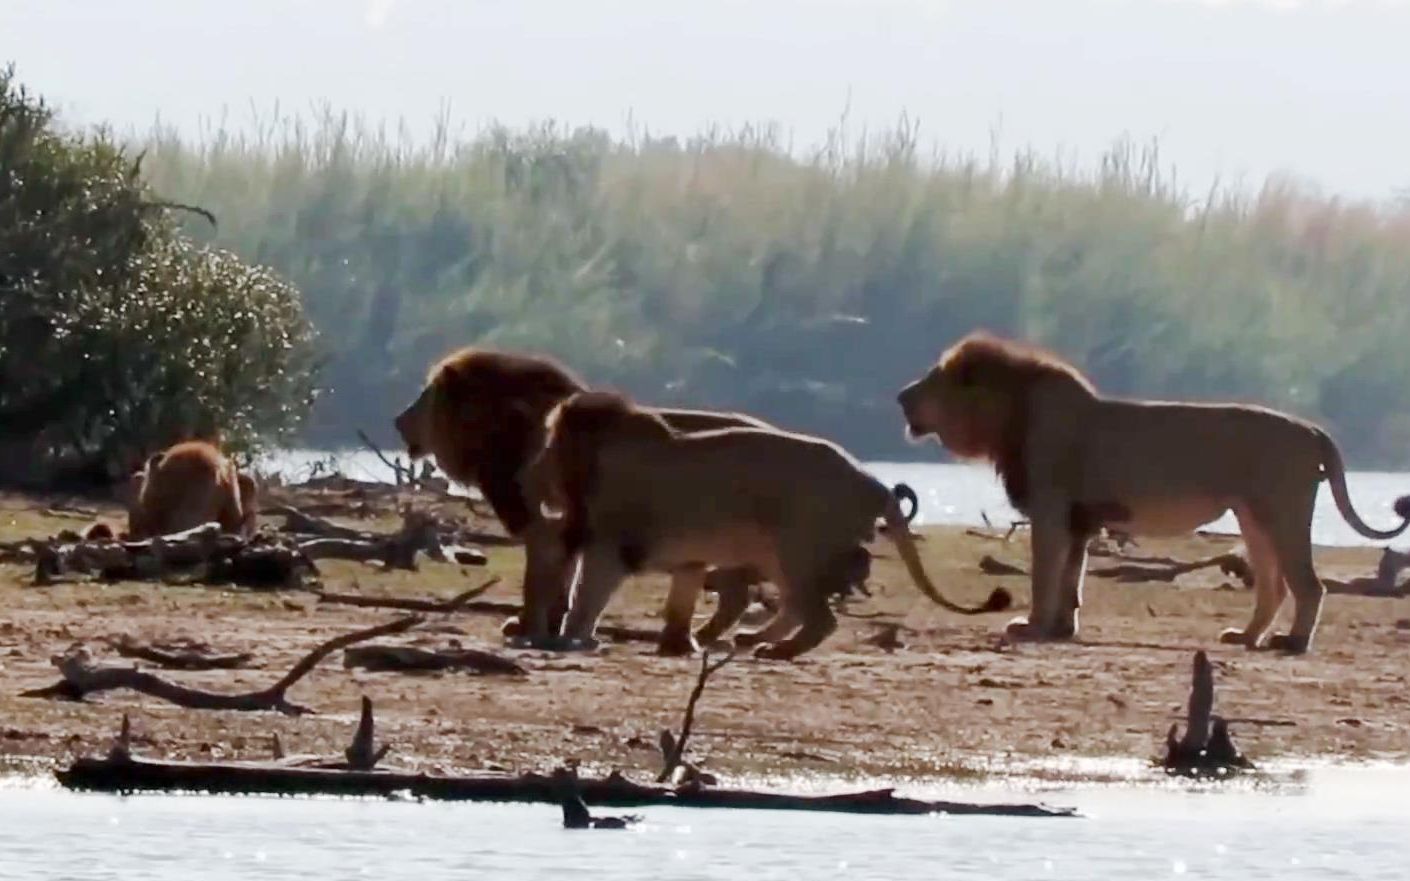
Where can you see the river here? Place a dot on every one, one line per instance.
(960, 494)
(1338, 823)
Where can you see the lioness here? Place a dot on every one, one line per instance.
(481, 414)
(189, 484)
(1074, 461)
(635, 494)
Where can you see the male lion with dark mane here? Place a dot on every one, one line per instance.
(481, 414)
(636, 495)
(1073, 461)
(189, 484)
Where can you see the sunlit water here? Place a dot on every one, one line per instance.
(1340, 824)
(958, 494)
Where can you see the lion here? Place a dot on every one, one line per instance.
(481, 415)
(635, 494)
(1074, 461)
(189, 484)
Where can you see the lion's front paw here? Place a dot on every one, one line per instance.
(1235, 636)
(1020, 630)
(677, 645)
(745, 638)
(1289, 643)
(774, 651)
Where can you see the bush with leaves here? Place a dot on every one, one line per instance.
(117, 335)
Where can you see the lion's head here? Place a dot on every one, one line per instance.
(974, 400)
(481, 415)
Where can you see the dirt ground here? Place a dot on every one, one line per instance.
(952, 701)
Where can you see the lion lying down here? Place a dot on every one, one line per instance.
(481, 414)
(1074, 461)
(187, 485)
(634, 494)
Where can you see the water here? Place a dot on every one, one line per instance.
(958, 494)
(1340, 824)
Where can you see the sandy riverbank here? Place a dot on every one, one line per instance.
(952, 701)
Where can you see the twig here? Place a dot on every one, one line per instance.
(402, 472)
(454, 604)
(81, 678)
(673, 748)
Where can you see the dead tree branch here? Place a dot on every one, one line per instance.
(82, 678)
(673, 748)
(406, 658)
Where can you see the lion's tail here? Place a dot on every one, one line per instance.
(899, 534)
(1336, 476)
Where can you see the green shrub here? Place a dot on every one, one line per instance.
(118, 335)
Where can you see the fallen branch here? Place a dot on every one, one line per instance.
(454, 604)
(466, 603)
(82, 678)
(673, 748)
(406, 658)
(143, 775)
(1141, 569)
(1382, 584)
(179, 655)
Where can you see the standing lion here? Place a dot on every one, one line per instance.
(1073, 461)
(481, 414)
(636, 495)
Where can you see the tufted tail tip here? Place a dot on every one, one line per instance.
(1402, 507)
(1001, 599)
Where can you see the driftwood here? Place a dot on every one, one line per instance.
(466, 603)
(81, 678)
(672, 747)
(408, 604)
(1382, 584)
(203, 553)
(1140, 569)
(406, 658)
(130, 774)
(184, 654)
(419, 533)
(1206, 749)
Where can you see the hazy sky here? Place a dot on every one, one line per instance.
(1238, 89)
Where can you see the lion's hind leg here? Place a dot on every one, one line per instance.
(1269, 588)
(1291, 535)
(731, 588)
(817, 620)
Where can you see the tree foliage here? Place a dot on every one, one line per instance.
(728, 271)
(118, 335)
